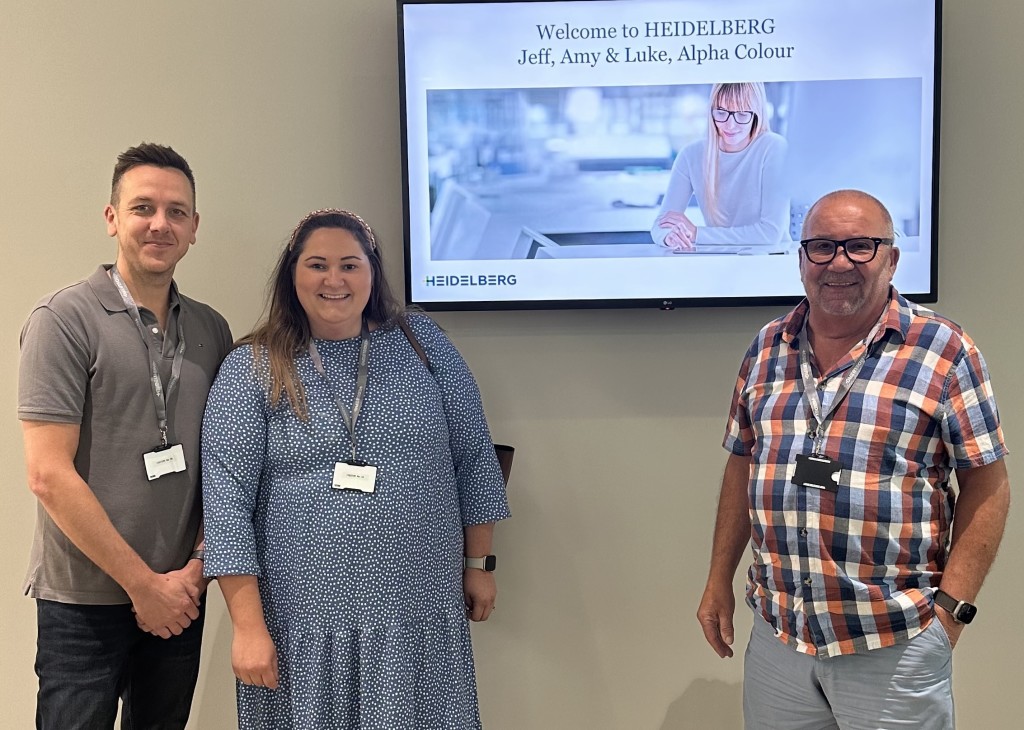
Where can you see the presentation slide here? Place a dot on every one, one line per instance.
(628, 152)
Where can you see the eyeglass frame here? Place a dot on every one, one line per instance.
(732, 115)
(836, 245)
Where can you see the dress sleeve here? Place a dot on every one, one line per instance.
(477, 473)
(677, 195)
(233, 449)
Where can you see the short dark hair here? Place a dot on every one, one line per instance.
(149, 153)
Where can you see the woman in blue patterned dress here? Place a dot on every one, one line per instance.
(344, 486)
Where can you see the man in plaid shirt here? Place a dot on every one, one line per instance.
(849, 415)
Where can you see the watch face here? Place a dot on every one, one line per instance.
(966, 613)
(490, 562)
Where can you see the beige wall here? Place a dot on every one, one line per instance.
(283, 107)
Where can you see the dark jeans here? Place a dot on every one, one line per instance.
(88, 656)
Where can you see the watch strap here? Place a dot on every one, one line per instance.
(955, 607)
(198, 554)
(486, 563)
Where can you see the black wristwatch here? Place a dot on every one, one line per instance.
(961, 611)
(486, 563)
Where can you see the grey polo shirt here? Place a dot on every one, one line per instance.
(83, 361)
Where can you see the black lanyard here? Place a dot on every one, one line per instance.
(160, 396)
(362, 374)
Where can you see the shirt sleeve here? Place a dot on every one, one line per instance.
(970, 427)
(224, 332)
(478, 477)
(53, 376)
(233, 448)
(739, 432)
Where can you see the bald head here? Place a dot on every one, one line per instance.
(840, 200)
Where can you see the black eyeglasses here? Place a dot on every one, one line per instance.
(858, 250)
(722, 116)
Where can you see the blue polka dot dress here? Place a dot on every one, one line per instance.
(362, 593)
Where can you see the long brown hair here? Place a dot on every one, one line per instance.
(285, 332)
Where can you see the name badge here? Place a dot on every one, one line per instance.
(164, 461)
(817, 472)
(357, 476)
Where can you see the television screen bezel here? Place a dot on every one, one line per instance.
(929, 297)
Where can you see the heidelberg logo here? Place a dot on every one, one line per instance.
(472, 280)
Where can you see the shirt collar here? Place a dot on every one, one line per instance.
(105, 290)
(895, 318)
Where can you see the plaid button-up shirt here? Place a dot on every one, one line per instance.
(844, 572)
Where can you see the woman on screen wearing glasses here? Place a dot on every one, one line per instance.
(736, 175)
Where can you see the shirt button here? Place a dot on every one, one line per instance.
(803, 532)
(808, 582)
(156, 330)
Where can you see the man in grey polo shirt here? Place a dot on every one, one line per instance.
(112, 386)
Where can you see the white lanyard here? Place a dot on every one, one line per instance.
(811, 392)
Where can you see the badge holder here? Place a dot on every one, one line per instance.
(166, 459)
(817, 472)
(354, 475)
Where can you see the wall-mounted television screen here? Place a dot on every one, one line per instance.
(613, 153)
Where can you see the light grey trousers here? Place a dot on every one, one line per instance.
(909, 685)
